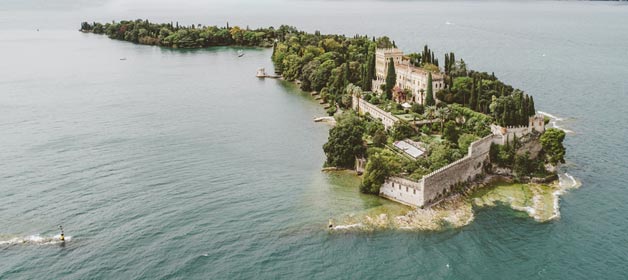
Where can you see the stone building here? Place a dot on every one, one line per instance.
(408, 76)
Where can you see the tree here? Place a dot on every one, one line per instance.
(442, 154)
(291, 67)
(429, 97)
(552, 143)
(345, 142)
(417, 108)
(402, 130)
(473, 100)
(380, 138)
(370, 72)
(391, 78)
(531, 109)
(522, 165)
(465, 140)
(375, 173)
(450, 132)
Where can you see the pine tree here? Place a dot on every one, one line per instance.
(391, 78)
(429, 97)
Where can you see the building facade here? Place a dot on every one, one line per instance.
(409, 77)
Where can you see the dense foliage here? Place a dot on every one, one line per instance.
(518, 159)
(345, 142)
(484, 93)
(328, 63)
(552, 142)
(381, 164)
(193, 36)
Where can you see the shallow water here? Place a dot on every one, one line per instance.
(181, 164)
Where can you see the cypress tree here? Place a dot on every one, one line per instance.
(346, 74)
(504, 118)
(473, 100)
(531, 109)
(366, 83)
(429, 97)
(391, 78)
(371, 68)
(446, 64)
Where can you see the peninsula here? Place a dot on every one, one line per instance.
(420, 130)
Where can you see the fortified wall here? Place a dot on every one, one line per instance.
(442, 181)
(535, 123)
(437, 184)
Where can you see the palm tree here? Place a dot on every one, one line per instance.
(430, 112)
(443, 114)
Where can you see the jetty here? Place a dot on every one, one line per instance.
(261, 73)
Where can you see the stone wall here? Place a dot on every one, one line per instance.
(441, 181)
(508, 133)
(403, 190)
(361, 106)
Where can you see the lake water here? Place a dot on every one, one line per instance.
(181, 164)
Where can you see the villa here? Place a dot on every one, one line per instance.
(409, 77)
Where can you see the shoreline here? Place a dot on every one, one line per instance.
(540, 202)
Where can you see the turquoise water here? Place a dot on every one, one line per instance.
(181, 164)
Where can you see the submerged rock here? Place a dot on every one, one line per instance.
(540, 202)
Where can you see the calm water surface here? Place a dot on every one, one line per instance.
(181, 164)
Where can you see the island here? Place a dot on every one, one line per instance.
(433, 136)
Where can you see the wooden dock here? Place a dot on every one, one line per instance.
(261, 73)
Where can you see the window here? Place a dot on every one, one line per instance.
(414, 190)
(406, 189)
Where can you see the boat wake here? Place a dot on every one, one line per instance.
(554, 122)
(347, 227)
(32, 240)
